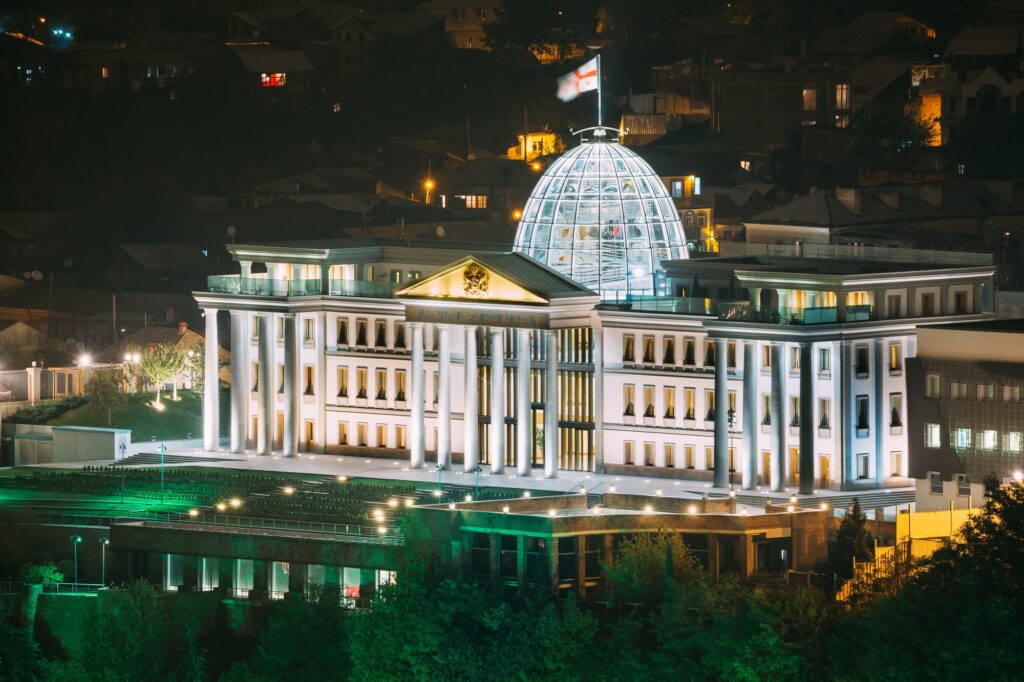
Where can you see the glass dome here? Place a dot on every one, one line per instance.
(601, 216)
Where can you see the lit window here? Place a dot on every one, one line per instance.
(862, 465)
(1012, 394)
(670, 402)
(895, 409)
(823, 410)
(931, 386)
(824, 361)
(986, 392)
(381, 379)
(308, 331)
(794, 411)
(309, 381)
(895, 358)
(361, 374)
(649, 401)
(988, 439)
(1015, 441)
(677, 188)
(628, 400)
(343, 382)
(932, 436)
(958, 390)
(336, 107)
(473, 200)
(766, 409)
(690, 400)
(627, 348)
(963, 438)
(810, 96)
(273, 80)
(627, 452)
(842, 96)
(105, 72)
(745, 165)
(399, 384)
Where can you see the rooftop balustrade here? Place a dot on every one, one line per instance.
(744, 312)
(262, 286)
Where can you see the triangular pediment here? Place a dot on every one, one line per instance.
(470, 279)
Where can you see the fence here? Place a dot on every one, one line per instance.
(13, 385)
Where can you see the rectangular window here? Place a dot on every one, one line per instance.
(628, 352)
(863, 412)
(280, 378)
(730, 349)
(810, 98)
(688, 345)
(794, 359)
(273, 80)
(670, 402)
(932, 436)
(1011, 394)
(361, 333)
(766, 409)
(932, 386)
(794, 411)
(1014, 441)
(935, 482)
(895, 358)
(342, 331)
(343, 382)
(986, 392)
(895, 307)
(688, 453)
(380, 336)
(399, 336)
(310, 433)
(669, 356)
(400, 436)
(361, 376)
(628, 400)
(862, 465)
(648, 349)
(958, 390)
(309, 380)
(824, 406)
(690, 400)
(380, 377)
(709, 353)
(963, 485)
(842, 96)
(627, 452)
(400, 384)
(824, 361)
(927, 305)
(960, 303)
(361, 429)
(861, 361)
(766, 357)
(670, 455)
(649, 401)
(648, 454)
(709, 404)
(989, 438)
(709, 458)
(895, 409)
(342, 433)
(963, 437)
(104, 72)
(676, 188)
(307, 330)
(382, 435)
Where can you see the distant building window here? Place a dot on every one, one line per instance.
(963, 485)
(676, 187)
(932, 386)
(935, 482)
(895, 358)
(963, 438)
(842, 96)
(863, 420)
(988, 439)
(862, 465)
(105, 72)
(932, 436)
(986, 392)
(473, 200)
(1015, 441)
(895, 409)
(824, 362)
(273, 80)
(1012, 394)
(810, 96)
(745, 165)
(483, 15)
(958, 390)
(861, 361)
(336, 107)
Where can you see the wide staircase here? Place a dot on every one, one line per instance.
(869, 499)
(153, 459)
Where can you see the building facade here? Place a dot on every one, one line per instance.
(752, 371)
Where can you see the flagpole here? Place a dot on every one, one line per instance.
(599, 122)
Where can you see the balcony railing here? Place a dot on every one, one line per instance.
(744, 312)
(262, 286)
(670, 304)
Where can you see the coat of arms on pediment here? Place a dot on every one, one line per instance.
(474, 280)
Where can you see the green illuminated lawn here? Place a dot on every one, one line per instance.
(178, 419)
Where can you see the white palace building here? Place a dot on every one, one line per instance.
(595, 345)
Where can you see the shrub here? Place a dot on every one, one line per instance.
(40, 574)
(40, 413)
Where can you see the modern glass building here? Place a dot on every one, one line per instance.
(601, 216)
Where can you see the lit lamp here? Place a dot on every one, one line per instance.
(428, 185)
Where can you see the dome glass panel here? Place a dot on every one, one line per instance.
(601, 216)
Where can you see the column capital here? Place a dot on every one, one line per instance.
(415, 325)
(287, 315)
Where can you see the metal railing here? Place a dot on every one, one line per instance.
(727, 249)
(262, 286)
(744, 312)
(362, 289)
(368, 534)
(15, 586)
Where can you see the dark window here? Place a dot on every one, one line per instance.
(863, 420)
(861, 362)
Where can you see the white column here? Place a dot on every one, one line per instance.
(597, 404)
(750, 421)
(211, 388)
(721, 436)
(470, 412)
(778, 457)
(290, 438)
(523, 413)
(320, 376)
(265, 435)
(417, 455)
(444, 399)
(497, 400)
(239, 378)
(551, 405)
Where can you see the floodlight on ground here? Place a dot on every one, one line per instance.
(392, 503)
(409, 500)
(235, 502)
(611, 488)
(526, 493)
(436, 493)
(552, 512)
(193, 513)
(505, 509)
(382, 530)
(288, 490)
(342, 479)
(1018, 476)
(658, 492)
(221, 506)
(596, 510)
(451, 505)
(378, 515)
(743, 511)
(469, 498)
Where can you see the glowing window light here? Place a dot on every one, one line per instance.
(273, 80)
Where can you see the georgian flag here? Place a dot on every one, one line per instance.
(579, 80)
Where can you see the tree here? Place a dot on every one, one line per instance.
(162, 363)
(543, 27)
(853, 541)
(894, 128)
(646, 564)
(106, 391)
(129, 636)
(19, 654)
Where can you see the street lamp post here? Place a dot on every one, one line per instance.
(123, 448)
(731, 418)
(163, 451)
(103, 560)
(75, 540)
(438, 468)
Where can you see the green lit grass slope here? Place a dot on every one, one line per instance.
(178, 419)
